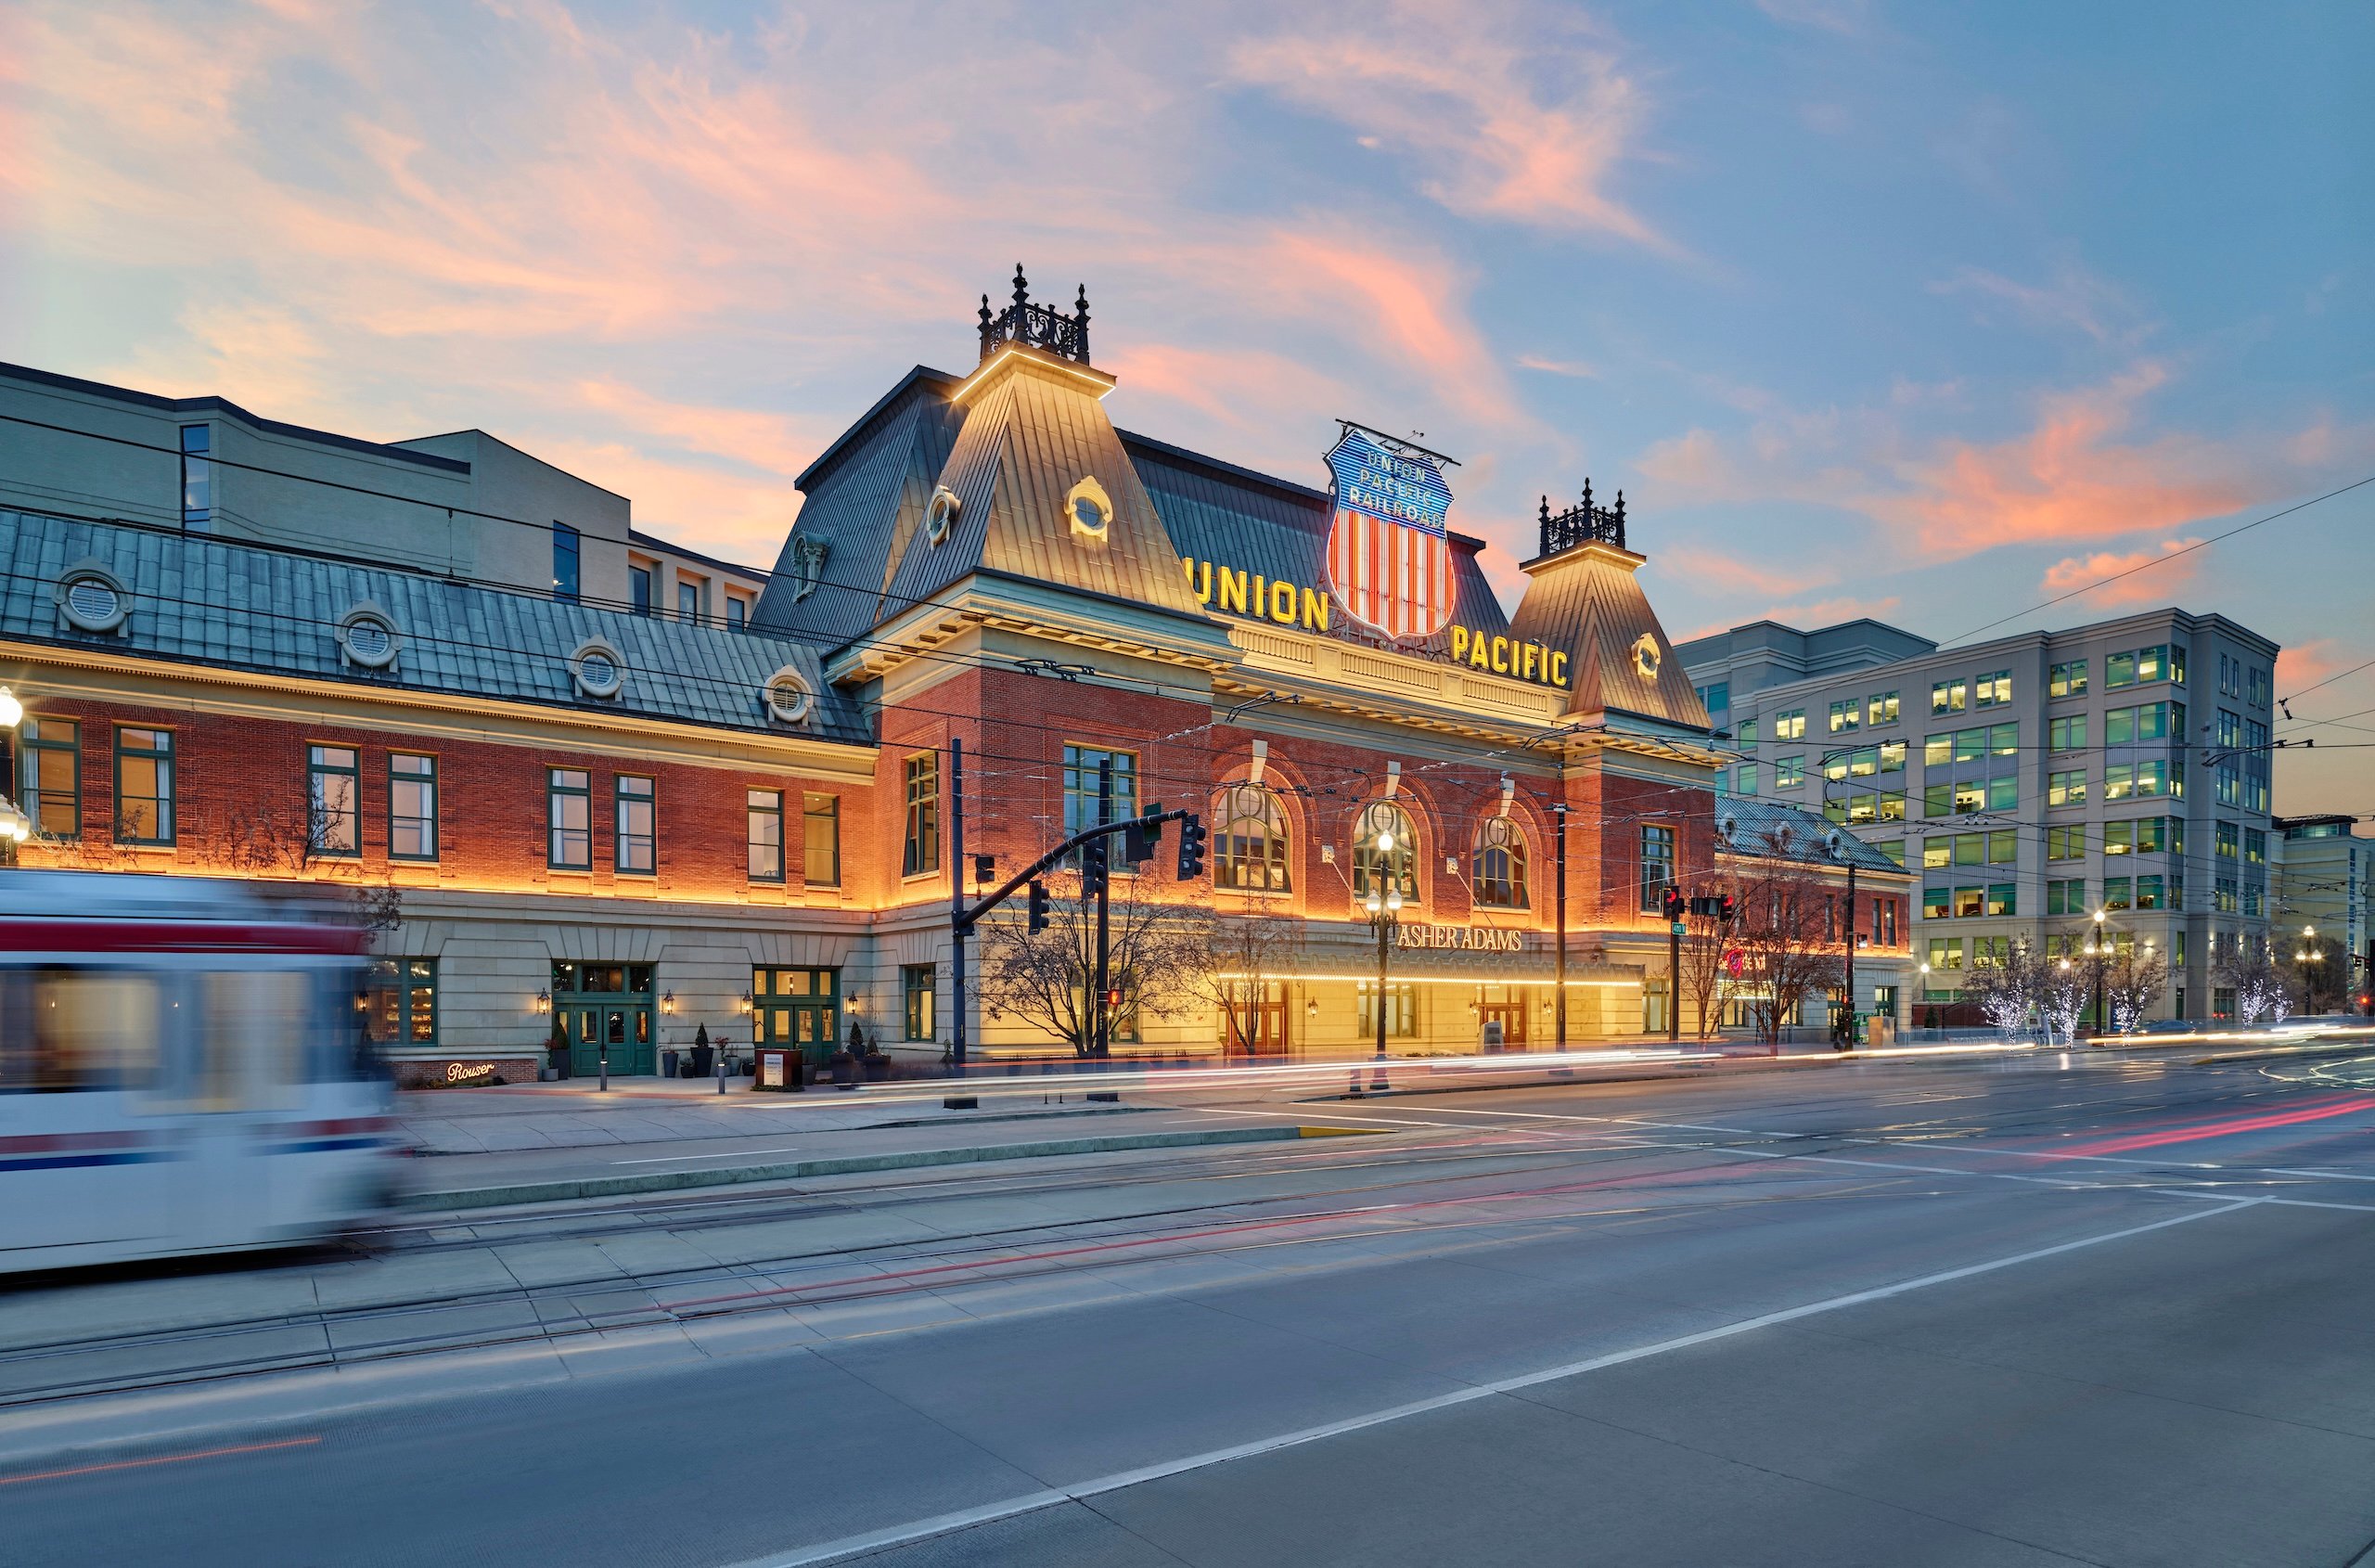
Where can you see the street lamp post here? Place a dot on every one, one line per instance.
(15, 826)
(2098, 949)
(1385, 915)
(2302, 958)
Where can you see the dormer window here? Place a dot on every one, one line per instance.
(1090, 508)
(940, 514)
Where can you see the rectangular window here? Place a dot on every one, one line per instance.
(820, 839)
(637, 848)
(2228, 841)
(2066, 898)
(639, 589)
(411, 806)
(1970, 745)
(2153, 664)
(1949, 697)
(1790, 726)
(2119, 781)
(2119, 838)
(1789, 772)
(1880, 708)
(2066, 843)
(1937, 903)
(2230, 728)
(1937, 851)
(2115, 892)
(688, 602)
(2119, 727)
(2147, 892)
(1971, 797)
(2254, 847)
(2152, 778)
(2003, 898)
(1895, 850)
(2066, 789)
(1745, 780)
(920, 847)
(1892, 806)
(50, 782)
(1715, 696)
(1946, 952)
(1992, 688)
(144, 786)
(198, 477)
(1401, 1009)
(1938, 750)
(738, 613)
(1081, 765)
(2004, 739)
(400, 1002)
(333, 809)
(2119, 670)
(1746, 732)
(1990, 952)
(1657, 865)
(2004, 793)
(2222, 895)
(1937, 800)
(2228, 783)
(2067, 733)
(1845, 715)
(1971, 849)
(1863, 761)
(2004, 846)
(1835, 809)
(565, 563)
(763, 834)
(916, 1000)
(568, 819)
(1891, 756)
(2153, 721)
(2068, 679)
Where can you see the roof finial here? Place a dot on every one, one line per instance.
(1022, 288)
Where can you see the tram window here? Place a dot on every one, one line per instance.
(254, 1037)
(90, 1028)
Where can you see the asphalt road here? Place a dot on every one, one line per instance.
(2011, 1313)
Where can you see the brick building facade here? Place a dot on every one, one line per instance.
(581, 825)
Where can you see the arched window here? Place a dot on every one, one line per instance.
(1498, 868)
(1392, 867)
(1250, 848)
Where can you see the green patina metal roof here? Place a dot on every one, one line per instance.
(202, 600)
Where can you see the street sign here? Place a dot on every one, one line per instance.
(1681, 929)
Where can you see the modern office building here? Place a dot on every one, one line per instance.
(2030, 783)
(464, 506)
(2325, 881)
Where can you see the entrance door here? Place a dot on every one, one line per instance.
(605, 1007)
(1505, 1004)
(798, 1007)
(1254, 1022)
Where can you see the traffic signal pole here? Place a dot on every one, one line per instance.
(1101, 1012)
(960, 926)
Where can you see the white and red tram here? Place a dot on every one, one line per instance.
(182, 1069)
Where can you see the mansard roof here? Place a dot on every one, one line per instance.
(278, 612)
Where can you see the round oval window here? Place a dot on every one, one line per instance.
(91, 601)
(598, 673)
(368, 641)
(1086, 513)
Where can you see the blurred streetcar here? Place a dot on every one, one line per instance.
(182, 1069)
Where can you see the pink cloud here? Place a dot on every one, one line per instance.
(2139, 582)
(1459, 93)
(1413, 302)
(1828, 611)
(776, 441)
(1728, 572)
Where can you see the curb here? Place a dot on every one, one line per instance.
(672, 1181)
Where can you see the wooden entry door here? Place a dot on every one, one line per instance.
(1255, 1024)
(1508, 1005)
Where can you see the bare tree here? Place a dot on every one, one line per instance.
(2262, 988)
(2065, 987)
(2008, 990)
(1244, 949)
(2321, 975)
(1161, 958)
(1711, 961)
(1783, 929)
(2131, 986)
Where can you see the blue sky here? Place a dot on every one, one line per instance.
(1927, 313)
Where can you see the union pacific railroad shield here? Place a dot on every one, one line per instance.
(1389, 563)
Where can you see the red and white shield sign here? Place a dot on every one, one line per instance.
(1389, 575)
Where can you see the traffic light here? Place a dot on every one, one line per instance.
(1113, 997)
(1725, 904)
(1674, 902)
(1191, 847)
(1038, 907)
(1143, 833)
(985, 868)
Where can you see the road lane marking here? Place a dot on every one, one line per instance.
(158, 1459)
(1032, 1502)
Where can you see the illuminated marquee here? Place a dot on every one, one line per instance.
(1466, 939)
(1236, 592)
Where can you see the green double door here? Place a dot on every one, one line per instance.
(599, 1008)
(796, 1007)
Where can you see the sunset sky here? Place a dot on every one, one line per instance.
(1925, 313)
